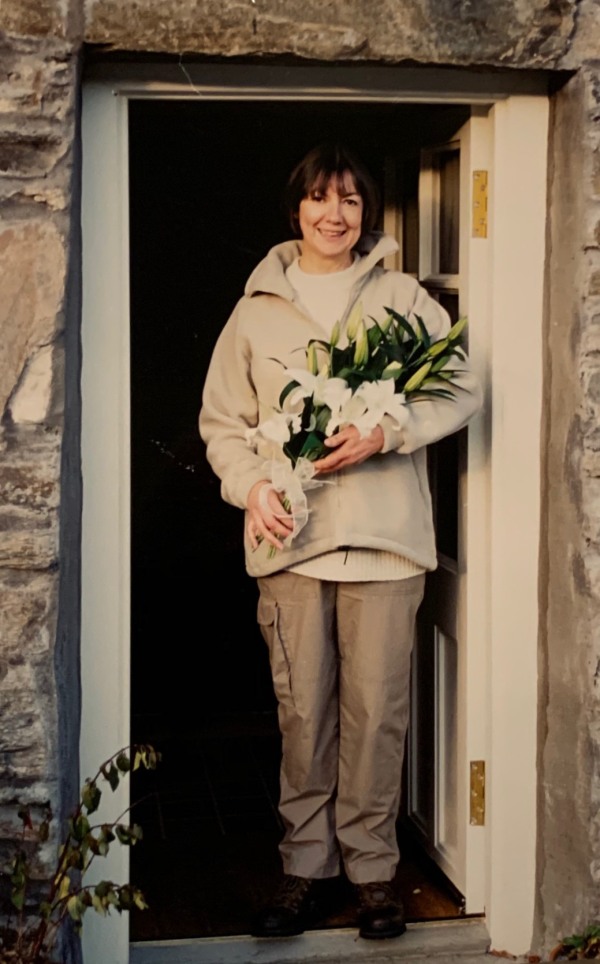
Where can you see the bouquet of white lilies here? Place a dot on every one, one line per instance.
(381, 369)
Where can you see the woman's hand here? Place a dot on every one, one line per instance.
(267, 518)
(349, 448)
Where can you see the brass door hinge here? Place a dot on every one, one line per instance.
(477, 812)
(480, 204)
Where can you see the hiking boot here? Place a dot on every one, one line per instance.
(380, 912)
(290, 910)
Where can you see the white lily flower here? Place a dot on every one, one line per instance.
(380, 399)
(367, 406)
(277, 428)
(335, 394)
(324, 390)
(352, 410)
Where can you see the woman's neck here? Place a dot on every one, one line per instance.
(312, 264)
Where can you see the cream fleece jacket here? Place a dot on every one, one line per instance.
(383, 503)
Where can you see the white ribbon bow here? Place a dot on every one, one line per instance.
(293, 482)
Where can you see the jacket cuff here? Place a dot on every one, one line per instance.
(250, 479)
(393, 432)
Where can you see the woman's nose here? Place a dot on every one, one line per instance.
(334, 209)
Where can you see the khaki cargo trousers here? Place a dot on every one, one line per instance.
(340, 661)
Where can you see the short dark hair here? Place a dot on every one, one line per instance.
(314, 173)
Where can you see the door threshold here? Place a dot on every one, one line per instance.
(448, 942)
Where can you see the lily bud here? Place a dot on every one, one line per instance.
(361, 352)
(419, 376)
(354, 320)
(385, 324)
(438, 347)
(312, 362)
(457, 329)
(392, 370)
(335, 335)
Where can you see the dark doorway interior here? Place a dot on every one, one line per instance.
(205, 184)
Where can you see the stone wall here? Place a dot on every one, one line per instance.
(569, 746)
(38, 92)
(39, 359)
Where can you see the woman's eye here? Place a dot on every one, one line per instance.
(352, 201)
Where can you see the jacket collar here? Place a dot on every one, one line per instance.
(269, 275)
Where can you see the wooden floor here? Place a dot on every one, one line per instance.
(209, 856)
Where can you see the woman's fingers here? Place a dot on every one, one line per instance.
(267, 518)
(349, 448)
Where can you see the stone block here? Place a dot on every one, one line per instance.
(28, 724)
(27, 542)
(32, 279)
(32, 398)
(427, 31)
(30, 150)
(27, 614)
(34, 18)
(37, 80)
(30, 484)
(29, 498)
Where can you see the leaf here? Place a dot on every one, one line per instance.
(322, 418)
(125, 897)
(123, 763)
(45, 910)
(74, 908)
(313, 446)
(81, 827)
(106, 833)
(99, 906)
(403, 323)
(139, 900)
(425, 336)
(374, 335)
(64, 889)
(286, 391)
(128, 835)
(153, 758)
(91, 796)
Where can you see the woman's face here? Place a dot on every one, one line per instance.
(330, 223)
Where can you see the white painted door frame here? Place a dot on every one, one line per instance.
(505, 540)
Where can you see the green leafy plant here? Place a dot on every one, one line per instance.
(30, 931)
(584, 946)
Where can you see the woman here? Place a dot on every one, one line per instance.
(338, 601)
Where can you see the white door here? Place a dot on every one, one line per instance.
(444, 244)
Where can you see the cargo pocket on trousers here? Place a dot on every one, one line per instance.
(268, 617)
